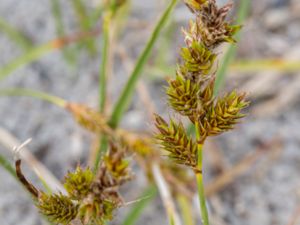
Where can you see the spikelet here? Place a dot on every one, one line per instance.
(226, 113)
(210, 27)
(183, 96)
(195, 5)
(189, 98)
(58, 208)
(197, 59)
(78, 183)
(89, 119)
(173, 139)
(116, 164)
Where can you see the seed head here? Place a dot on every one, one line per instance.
(197, 60)
(57, 208)
(224, 114)
(78, 183)
(173, 139)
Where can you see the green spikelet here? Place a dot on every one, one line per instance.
(116, 164)
(95, 211)
(224, 114)
(174, 140)
(78, 183)
(182, 96)
(195, 5)
(57, 208)
(197, 59)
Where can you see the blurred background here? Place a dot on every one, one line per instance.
(252, 172)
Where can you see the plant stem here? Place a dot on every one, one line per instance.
(136, 211)
(36, 53)
(104, 61)
(84, 23)
(165, 195)
(101, 151)
(15, 35)
(126, 95)
(60, 31)
(186, 210)
(7, 166)
(35, 94)
(199, 177)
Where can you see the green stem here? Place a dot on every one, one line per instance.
(105, 61)
(35, 94)
(137, 210)
(186, 209)
(60, 31)
(126, 96)
(15, 35)
(8, 167)
(199, 177)
(102, 149)
(84, 22)
(28, 57)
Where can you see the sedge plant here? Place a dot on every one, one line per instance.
(191, 92)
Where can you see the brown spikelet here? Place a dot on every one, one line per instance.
(210, 27)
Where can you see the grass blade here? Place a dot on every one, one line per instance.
(127, 92)
(37, 52)
(105, 61)
(231, 52)
(15, 35)
(84, 22)
(8, 167)
(60, 31)
(148, 195)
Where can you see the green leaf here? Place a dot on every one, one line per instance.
(148, 195)
(126, 96)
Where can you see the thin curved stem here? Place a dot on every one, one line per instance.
(35, 94)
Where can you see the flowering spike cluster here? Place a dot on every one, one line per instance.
(91, 198)
(191, 93)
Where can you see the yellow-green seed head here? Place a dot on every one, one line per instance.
(78, 183)
(197, 60)
(174, 139)
(195, 5)
(224, 114)
(183, 96)
(57, 208)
